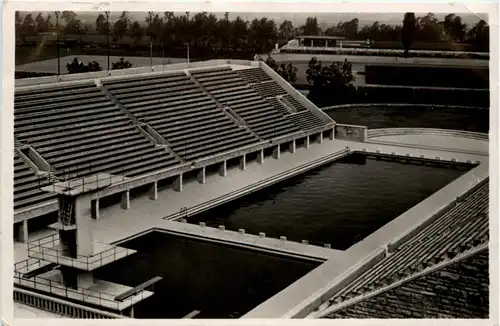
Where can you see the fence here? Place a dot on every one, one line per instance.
(57, 288)
(42, 249)
(61, 307)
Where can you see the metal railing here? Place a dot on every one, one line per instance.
(54, 287)
(61, 307)
(46, 249)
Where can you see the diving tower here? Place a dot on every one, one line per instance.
(64, 263)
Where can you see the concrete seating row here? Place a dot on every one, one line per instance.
(27, 184)
(182, 113)
(269, 89)
(295, 103)
(86, 134)
(426, 131)
(254, 75)
(279, 105)
(462, 228)
(458, 290)
(306, 120)
(229, 89)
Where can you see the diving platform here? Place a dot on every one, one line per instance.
(101, 293)
(51, 250)
(79, 186)
(138, 289)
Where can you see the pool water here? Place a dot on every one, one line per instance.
(218, 280)
(338, 204)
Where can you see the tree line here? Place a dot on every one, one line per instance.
(206, 30)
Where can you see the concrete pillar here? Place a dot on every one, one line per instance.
(125, 200)
(243, 163)
(132, 312)
(223, 169)
(260, 157)
(95, 209)
(308, 142)
(201, 176)
(326, 43)
(85, 279)
(153, 191)
(276, 152)
(23, 231)
(312, 43)
(83, 219)
(292, 147)
(332, 134)
(319, 139)
(178, 183)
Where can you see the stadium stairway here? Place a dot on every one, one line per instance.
(231, 114)
(278, 97)
(181, 112)
(79, 131)
(27, 184)
(229, 89)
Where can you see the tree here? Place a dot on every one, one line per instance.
(287, 72)
(76, 67)
(122, 64)
(286, 28)
(330, 84)
(136, 32)
(28, 27)
(454, 27)
(479, 36)
(429, 29)
(155, 26)
(239, 31)
(311, 26)
(121, 26)
(102, 25)
(408, 32)
(72, 25)
(40, 23)
(263, 34)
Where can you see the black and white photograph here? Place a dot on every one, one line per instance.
(202, 161)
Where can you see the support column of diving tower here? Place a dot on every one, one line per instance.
(78, 255)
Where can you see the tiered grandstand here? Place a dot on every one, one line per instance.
(27, 184)
(437, 266)
(77, 129)
(140, 123)
(182, 113)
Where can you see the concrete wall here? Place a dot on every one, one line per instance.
(351, 132)
(337, 284)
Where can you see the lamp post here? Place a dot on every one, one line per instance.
(150, 52)
(187, 44)
(107, 31)
(57, 43)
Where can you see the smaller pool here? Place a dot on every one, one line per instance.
(220, 281)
